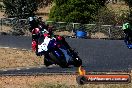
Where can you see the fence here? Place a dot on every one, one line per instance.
(14, 25)
(93, 30)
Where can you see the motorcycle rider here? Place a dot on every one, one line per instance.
(127, 28)
(44, 32)
(32, 22)
(35, 30)
(40, 37)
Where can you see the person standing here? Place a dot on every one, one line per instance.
(128, 31)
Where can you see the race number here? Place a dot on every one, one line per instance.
(44, 45)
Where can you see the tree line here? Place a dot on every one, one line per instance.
(82, 11)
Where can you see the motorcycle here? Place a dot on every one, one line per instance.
(62, 55)
(57, 52)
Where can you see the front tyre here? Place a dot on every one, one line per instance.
(77, 62)
(47, 62)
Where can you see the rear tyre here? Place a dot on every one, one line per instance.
(47, 62)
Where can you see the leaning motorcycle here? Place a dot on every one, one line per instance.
(58, 54)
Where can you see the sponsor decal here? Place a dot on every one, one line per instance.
(101, 78)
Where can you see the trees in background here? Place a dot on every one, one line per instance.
(82, 11)
(23, 8)
(129, 2)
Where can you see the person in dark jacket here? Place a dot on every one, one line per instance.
(127, 28)
(33, 23)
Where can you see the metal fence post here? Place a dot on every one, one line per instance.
(109, 33)
(1, 23)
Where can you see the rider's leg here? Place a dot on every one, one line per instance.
(126, 36)
(66, 45)
(65, 54)
(129, 36)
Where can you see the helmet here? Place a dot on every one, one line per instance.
(35, 31)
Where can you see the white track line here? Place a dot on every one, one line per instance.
(4, 70)
(18, 69)
(4, 47)
(27, 68)
(15, 48)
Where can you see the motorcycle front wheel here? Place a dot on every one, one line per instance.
(77, 62)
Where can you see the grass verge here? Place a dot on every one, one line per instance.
(12, 58)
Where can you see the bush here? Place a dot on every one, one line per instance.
(80, 11)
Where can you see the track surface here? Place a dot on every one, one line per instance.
(97, 55)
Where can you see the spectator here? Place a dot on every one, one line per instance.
(128, 31)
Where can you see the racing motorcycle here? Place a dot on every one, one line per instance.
(58, 52)
(61, 55)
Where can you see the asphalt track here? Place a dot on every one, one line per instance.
(96, 54)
